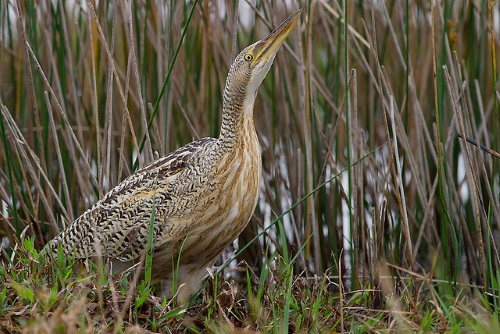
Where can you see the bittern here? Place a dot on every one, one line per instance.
(200, 197)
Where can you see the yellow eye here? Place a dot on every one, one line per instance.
(248, 57)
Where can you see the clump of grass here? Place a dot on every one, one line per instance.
(274, 300)
(376, 213)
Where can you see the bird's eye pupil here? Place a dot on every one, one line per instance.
(248, 57)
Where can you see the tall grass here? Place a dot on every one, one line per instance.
(367, 182)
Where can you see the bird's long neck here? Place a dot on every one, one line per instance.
(237, 113)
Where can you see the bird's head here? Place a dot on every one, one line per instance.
(252, 64)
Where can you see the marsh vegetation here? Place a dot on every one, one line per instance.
(375, 213)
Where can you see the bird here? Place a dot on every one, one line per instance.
(195, 200)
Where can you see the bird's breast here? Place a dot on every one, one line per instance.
(234, 191)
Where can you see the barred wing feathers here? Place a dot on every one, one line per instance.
(117, 226)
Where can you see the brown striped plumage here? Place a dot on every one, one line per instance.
(203, 194)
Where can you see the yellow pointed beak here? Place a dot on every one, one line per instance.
(271, 43)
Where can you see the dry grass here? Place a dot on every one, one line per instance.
(375, 214)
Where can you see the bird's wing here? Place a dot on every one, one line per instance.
(118, 225)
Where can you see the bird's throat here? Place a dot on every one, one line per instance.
(237, 118)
